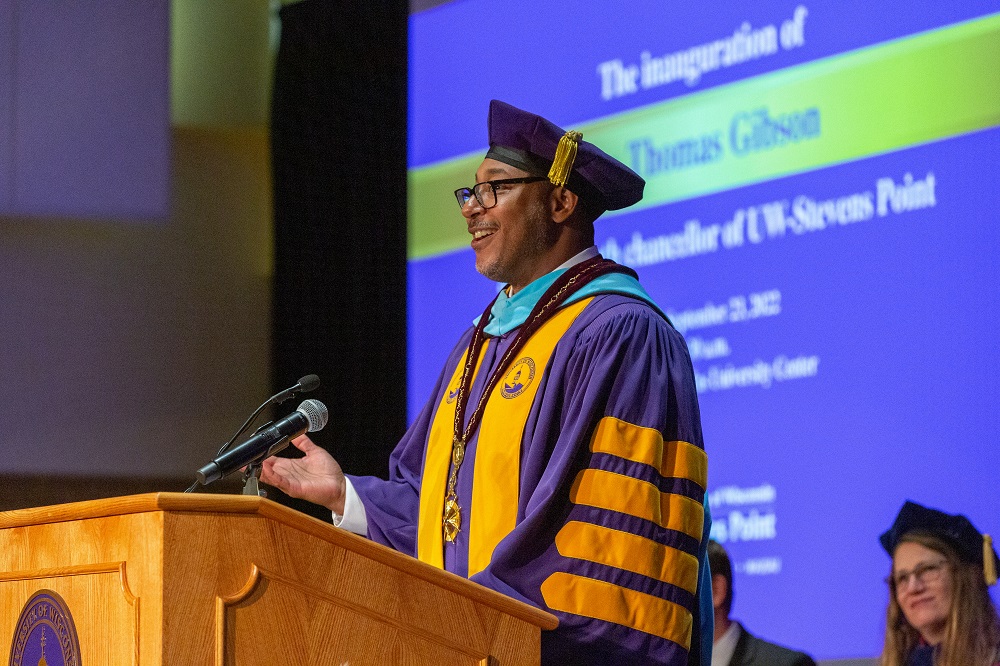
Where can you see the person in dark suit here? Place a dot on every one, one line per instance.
(734, 645)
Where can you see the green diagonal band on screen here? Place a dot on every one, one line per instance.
(879, 99)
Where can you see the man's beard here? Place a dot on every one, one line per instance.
(539, 237)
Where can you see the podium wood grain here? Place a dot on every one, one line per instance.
(176, 580)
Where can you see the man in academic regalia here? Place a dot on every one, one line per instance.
(560, 458)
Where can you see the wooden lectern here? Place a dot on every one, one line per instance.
(170, 579)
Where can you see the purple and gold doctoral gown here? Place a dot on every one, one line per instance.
(581, 491)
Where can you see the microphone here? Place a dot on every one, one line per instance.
(304, 385)
(311, 415)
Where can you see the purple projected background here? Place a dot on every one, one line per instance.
(84, 109)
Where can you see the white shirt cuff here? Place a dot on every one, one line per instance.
(354, 519)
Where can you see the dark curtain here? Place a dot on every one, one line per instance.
(338, 140)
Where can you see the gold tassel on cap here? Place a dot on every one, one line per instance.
(989, 565)
(562, 163)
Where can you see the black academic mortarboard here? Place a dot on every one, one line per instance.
(532, 143)
(955, 530)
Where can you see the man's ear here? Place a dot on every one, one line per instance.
(719, 589)
(563, 202)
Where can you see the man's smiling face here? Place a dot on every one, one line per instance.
(513, 238)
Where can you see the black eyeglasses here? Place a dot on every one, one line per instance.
(486, 192)
(926, 572)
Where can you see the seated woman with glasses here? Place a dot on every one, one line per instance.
(940, 612)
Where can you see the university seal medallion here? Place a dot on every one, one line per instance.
(45, 634)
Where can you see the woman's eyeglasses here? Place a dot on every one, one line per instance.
(926, 572)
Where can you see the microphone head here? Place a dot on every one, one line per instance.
(315, 412)
(308, 383)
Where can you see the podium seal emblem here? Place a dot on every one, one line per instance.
(45, 634)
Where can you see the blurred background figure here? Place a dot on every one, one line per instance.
(940, 612)
(734, 645)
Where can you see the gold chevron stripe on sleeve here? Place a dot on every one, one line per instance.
(616, 492)
(677, 459)
(624, 550)
(570, 593)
